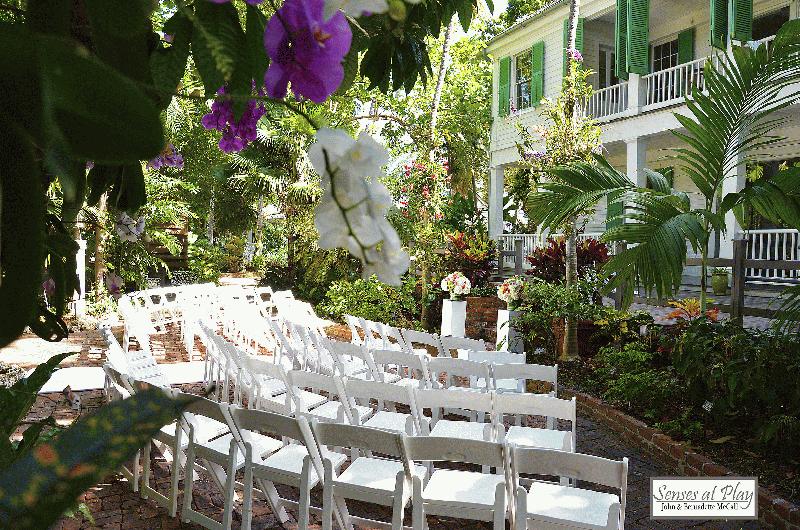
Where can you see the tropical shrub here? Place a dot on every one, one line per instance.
(543, 303)
(639, 381)
(745, 374)
(473, 253)
(206, 261)
(372, 300)
(549, 263)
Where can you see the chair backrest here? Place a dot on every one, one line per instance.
(392, 338)
(373, 336)
(427, 340)
(436, 449)
(526, 372)
(301, 379)
(436, 399)
(408, 364)
(452, 345)
(281, 426)
(143, 364)
(117, 384)
(343, 352)
(453, 366)
(358, 437)
(496, 357)
(114, 353)
(354, 325)
(589, 468)
(363, 391)
(536, 405)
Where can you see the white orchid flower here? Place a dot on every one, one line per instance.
(352, 211)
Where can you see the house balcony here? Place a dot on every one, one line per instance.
(643, 94)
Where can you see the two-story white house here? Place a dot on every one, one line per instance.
(646, 56)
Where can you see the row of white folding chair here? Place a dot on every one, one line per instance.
(466, 494)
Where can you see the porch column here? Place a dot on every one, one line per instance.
(637, 93)
(637, 160)
(734, 182)
(794, 9)
(496, 200)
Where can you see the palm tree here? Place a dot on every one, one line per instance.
(734, 118)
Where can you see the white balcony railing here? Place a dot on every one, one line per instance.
(764, 42)
(674, 84)
(772, 245)
(608, 101)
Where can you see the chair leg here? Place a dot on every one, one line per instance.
(327, 497)
(188, 483)
(305, 495)
(135, 470)
(418, 511)
(230, 484)
(146, 468)
(247, 500)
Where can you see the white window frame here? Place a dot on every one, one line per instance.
(610, 66)
(515, 84)
(671, 40)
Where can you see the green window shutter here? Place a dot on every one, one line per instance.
(614, 209)
(741, 21)
(638, 42)
(578, 39)
(537, 73)
(686, 46)
(719, 24)
(621, 38)
(504, 88)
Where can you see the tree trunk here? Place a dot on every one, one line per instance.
(437, 99)
(437, 94)
(99, 246)
(570, 349)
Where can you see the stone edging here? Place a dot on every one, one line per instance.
(680, 457)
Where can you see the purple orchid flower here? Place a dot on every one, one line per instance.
(575, 55)
(235, 134)
(305, 50)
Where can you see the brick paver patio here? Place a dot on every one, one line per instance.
(114, 506)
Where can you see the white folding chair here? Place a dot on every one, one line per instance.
(298, 463)
(422, 343)
(514, 377)
(117, 387)
(449, 369)
(460, 494)
(439, 400)
(410, 367)
(548, 505)
(221, 457)
(368, 478)
(387, 396)
(354, 325)
(459, 346)
(266, 378)
(372, 337)
(332, 410)
(392, 338)
(349, 359)
(172, 442)
(537, 405)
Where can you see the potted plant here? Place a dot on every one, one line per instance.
(454, 310)
(510, 292)
(720, 278)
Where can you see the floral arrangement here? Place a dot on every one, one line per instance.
(129, 229)
(510, 291)
(457, 285)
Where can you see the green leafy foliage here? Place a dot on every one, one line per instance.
(372, 300)
(749, 375)
(206, 261)
(16, 401)
(41, 485)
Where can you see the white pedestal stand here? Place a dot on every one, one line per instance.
(454, 317)
(508, 339)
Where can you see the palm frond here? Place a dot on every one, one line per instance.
(660, 227)
(732, 119)
(574, 189)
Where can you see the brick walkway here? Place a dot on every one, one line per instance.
(114, 506)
